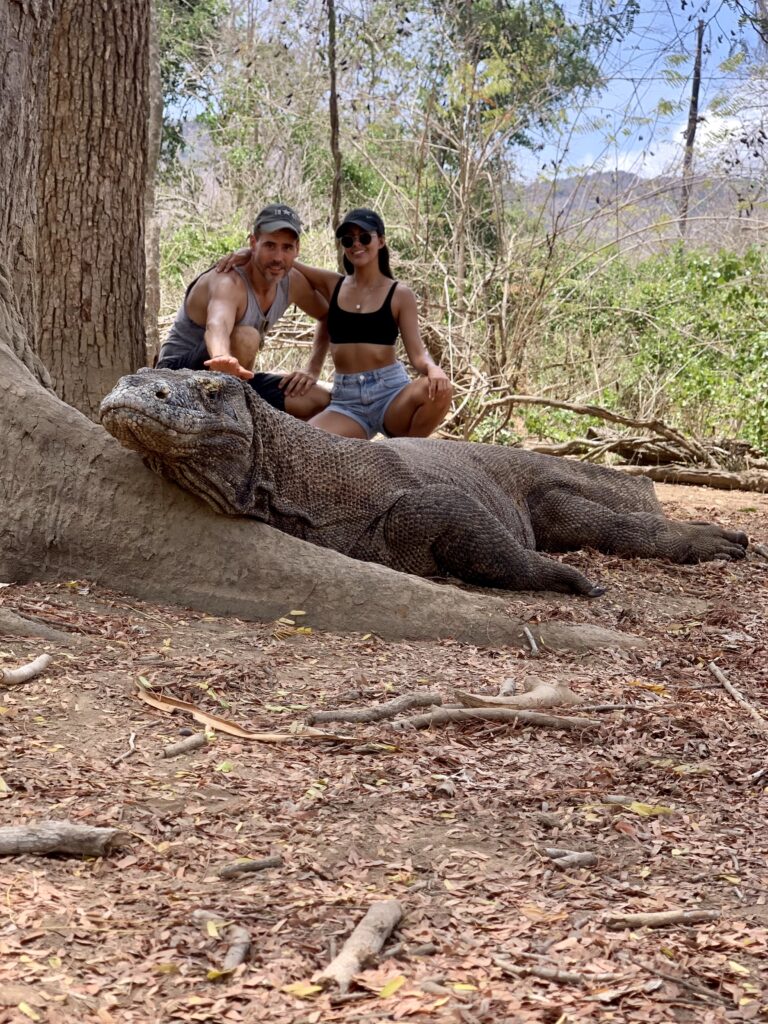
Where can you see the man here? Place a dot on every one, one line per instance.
(224, 316)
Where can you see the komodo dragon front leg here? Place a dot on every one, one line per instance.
(441, 531)
(564, 521)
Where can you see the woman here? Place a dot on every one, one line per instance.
(372, 392)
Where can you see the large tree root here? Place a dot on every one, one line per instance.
(58, 837)
(441, 716)
(365, 941)
(18, 625)
(113, 521)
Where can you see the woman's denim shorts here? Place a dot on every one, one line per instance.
(365, 397)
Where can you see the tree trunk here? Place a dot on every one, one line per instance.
(73, 503)
(90, 194)
(152, 221)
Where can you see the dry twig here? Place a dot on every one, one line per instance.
(570, 858)
(379, 712)
(739, 698)
(441, 716)
(13, 676)
(237, 937)
(241, 867)
(187, 745)
(661, 919)
(365, 941)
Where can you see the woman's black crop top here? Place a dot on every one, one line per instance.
(377, 328)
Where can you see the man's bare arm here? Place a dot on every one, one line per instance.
(225, 296)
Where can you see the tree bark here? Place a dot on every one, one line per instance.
(152, 221)
(90, 194)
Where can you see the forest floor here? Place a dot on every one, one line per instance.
(451, 821)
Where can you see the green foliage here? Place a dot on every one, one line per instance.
(192, 248)
(683, 335)
(184, 30)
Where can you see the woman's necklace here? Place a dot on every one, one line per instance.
(365, 293)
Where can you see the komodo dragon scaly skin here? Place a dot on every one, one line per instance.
(433, 508)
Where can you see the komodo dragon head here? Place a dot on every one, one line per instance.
(192, 426)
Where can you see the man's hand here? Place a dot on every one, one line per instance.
(232, 260)
(228, 364)
(297, 383)
(438, 381)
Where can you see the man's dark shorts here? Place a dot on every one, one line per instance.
(266, 385)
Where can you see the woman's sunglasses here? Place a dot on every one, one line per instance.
(349, 240)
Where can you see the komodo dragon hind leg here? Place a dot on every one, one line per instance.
(442, 530)
(564, 521)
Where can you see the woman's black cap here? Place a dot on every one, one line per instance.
(364, 218)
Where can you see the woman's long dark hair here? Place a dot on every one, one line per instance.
(383, 263)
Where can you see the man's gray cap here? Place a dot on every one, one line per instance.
(277, 217)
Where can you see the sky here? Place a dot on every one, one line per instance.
(622, 127)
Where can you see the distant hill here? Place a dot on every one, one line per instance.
(641, 214)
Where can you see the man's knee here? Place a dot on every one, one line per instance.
(309, 405)
(245, 343)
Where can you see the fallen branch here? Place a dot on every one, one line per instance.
(663, 919)
(570, 858)
(379, 712)
(131, 750)
(719, 479)
(237, 937)
(441, 716)
(14, 676)
(186, 746)
(538, 693)
(365, 941)
(552, 974)
(656, 425)
(739, 698)
(58, 837)
(532, 642)
(242, 867)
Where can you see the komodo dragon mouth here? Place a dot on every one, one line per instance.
(176, 414)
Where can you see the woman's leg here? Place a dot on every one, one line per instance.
(304, 407)
(337, 423)
(412, 413)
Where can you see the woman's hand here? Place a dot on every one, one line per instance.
(438, 381)
(297, 383)
(232, 260)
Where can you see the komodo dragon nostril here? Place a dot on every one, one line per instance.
(162, 391)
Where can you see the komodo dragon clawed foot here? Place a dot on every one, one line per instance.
(704, 542)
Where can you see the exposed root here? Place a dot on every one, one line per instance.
(738, 697)
(237, 937)
(570, 858)
(186, 746)
(245, 866)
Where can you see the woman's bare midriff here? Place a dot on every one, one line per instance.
(362, 357)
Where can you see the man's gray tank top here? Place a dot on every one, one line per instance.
(185, 343)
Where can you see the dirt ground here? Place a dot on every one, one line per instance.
(453, 821)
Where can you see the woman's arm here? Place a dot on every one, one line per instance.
(406, 314)
(323, 281)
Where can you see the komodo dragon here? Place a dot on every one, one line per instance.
(476, 512)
